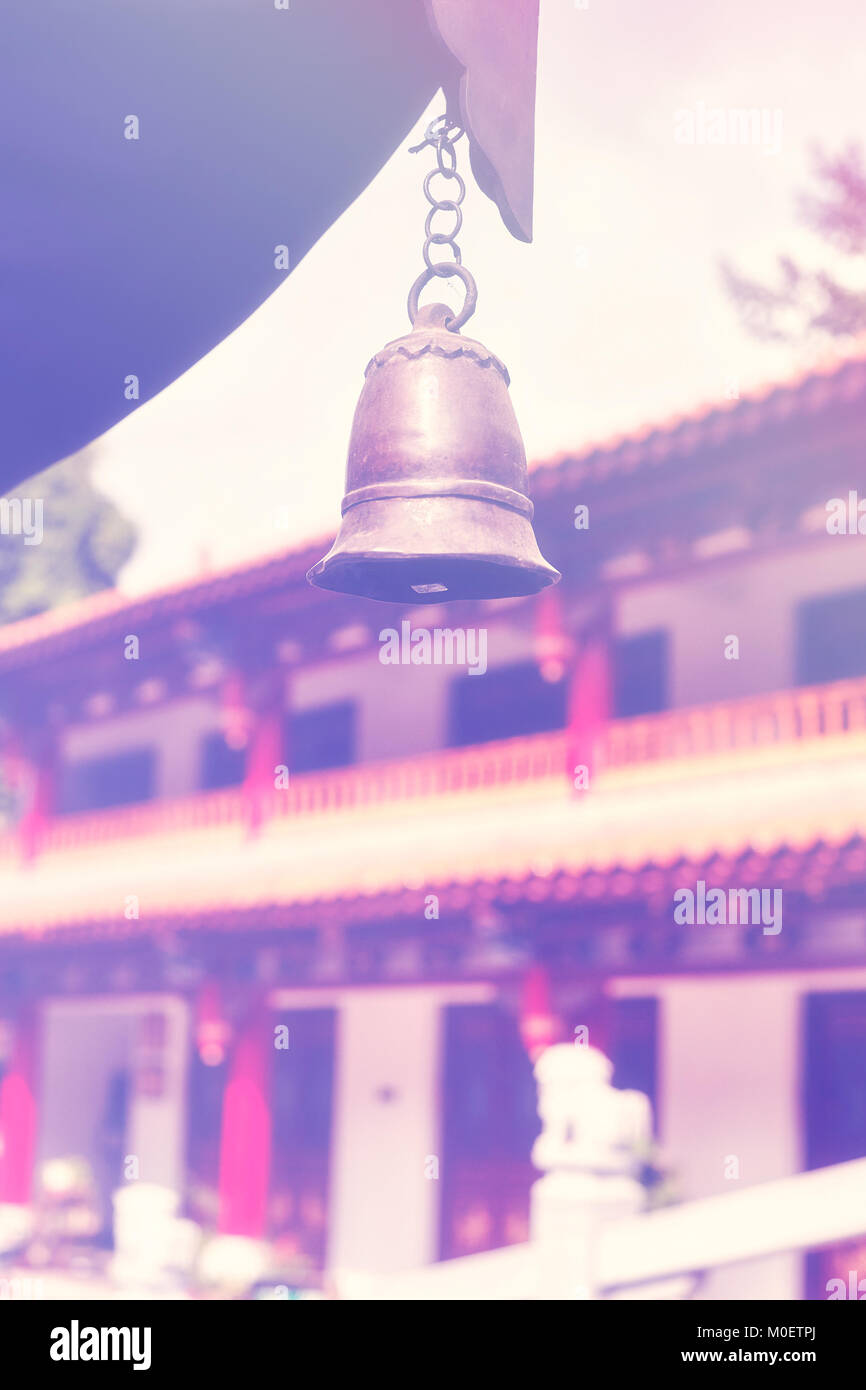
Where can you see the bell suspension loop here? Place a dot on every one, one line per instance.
(443, 135)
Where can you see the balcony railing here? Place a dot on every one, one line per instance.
(705, 731)
(817, 711)
(368, 785)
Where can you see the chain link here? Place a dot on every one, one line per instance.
(443, 135)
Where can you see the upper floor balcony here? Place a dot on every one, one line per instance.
(674, 745)
(783, 769)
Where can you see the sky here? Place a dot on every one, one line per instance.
(612, 319)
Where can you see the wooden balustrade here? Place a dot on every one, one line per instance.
(674, 735)
(707, 730)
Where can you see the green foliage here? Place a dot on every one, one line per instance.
(85, 542)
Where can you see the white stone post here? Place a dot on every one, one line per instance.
(587, 1149)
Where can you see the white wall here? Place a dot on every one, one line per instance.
(175, 731)
(384, 1211)
(730, 1086)
(85, 1041)
(729, 1072)
(754, 599)
(81, 1049)
(403, 710)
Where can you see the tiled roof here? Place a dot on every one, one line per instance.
(807, 396)
(808, 870)
(737, 419)
(86, 619)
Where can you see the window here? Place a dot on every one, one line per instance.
(118, 780)
(490, 1093)
(300, 1099)
(634, 1047)
(640, 674)
(321, 738)
(504, 703)
(831, 638)
(514, 700)
(312, 739)
(490, 1115)
(220, 766)
(302, 1091)
(205, 1088)
(489, 1124)
(626, 1031)
(834, 1086)
(835, 1081)
(303, 1086)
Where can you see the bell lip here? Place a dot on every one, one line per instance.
(345, 574)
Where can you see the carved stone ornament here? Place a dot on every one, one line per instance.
(588, 1125)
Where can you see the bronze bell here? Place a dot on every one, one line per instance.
(436, 503)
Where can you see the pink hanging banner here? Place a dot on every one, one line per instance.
(29, 764)
(554, 649)
(265, 755)
(539, 1026)
(42, 805)
(245, 1141)
(590, 701)
(19, 1116)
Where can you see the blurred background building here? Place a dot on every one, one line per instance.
(284, 923)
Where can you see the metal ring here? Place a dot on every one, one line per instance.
(442, 127)
(432, 174)
(452, 324)
(448, 167)
(447, 205)
(435, 268)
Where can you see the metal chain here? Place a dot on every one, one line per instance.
(443, 135)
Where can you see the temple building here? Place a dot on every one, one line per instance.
(285, 919)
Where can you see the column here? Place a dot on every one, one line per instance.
(385, 1174)
(729, 1103)
(245, 1141)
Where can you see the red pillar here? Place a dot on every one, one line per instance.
(245, 1140)
(42, 805)
(590, 702)
(19, 1117)
(252, 718)
(264, 754)
(553, 645)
